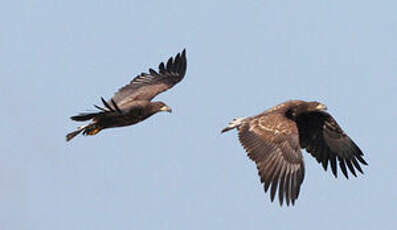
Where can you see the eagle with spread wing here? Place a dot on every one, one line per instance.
(132, 103)
(274, 139)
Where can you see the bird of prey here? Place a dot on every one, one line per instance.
(274, 138)
(132, 103)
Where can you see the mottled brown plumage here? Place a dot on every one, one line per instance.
(274, 139)
(132, 103)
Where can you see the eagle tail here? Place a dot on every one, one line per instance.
(75, 133)
(72, 134)
(233, 124)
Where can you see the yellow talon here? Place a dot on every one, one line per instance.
(94, 131)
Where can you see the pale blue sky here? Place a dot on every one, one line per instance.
(175, 171)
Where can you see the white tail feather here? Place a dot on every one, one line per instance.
(233, 124)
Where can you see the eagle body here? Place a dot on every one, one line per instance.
(131, 114)
(274, 138)
(132, 103)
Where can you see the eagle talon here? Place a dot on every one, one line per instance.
(93, 132)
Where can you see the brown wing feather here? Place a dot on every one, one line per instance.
(147, 86)
(321, 135)
(272, 142)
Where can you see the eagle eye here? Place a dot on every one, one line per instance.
(290, 114)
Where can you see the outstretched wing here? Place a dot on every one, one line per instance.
(147, 86)
(325, 140)
(272, 142)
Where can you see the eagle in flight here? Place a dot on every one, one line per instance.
(274, 139)
(133, 102)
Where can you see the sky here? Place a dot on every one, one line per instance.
(175, 171)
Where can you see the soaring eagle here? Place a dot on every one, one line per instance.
(132, 103)
(274, 139)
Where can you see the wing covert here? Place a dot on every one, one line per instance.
(147, 85)
(276, 152)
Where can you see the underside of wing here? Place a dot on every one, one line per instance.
(325, 140)
(276, 152)
(147, 85)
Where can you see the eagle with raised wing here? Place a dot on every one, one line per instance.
(274, 139)
(133, 102)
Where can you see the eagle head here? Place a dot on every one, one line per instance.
(300, 107)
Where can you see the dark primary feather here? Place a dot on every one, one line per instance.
(89, 116)
(115, 106)
(84, 116)
(321, 136)
(107, 106)
(147, 86)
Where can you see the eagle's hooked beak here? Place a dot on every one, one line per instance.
(166, 108)
(321, 107)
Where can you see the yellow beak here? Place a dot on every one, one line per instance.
(321, 107)
(166, 108)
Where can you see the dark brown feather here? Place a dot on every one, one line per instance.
(147, 86)
(322, 137)
(275, 149)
